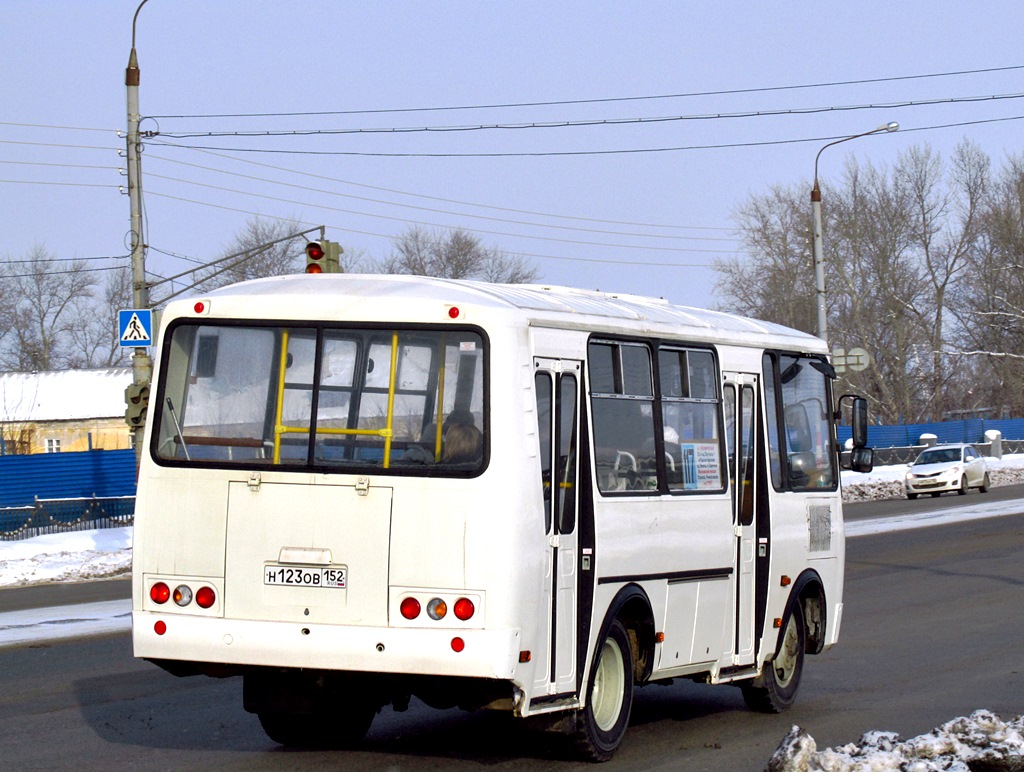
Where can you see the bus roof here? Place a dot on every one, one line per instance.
(396, 297)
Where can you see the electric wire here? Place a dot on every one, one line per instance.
(685, 95)
(596, 121)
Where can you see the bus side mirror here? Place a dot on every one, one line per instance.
(859, 422)
(862, 459)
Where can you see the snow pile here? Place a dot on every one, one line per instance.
(981, 742)
(75, 556)
(886, 482)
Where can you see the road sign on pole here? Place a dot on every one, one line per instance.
(135, 327)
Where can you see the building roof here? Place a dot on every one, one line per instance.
(65, 395)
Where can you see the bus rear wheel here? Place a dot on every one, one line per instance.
(301, 730)
(775, 689)
(602, 722)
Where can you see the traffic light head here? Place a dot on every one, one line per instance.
(136, 397)
(316, 257)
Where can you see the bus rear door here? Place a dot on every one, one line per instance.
(557, 385)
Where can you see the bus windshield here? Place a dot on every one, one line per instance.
(408, 400)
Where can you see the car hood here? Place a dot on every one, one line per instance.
(939, 468)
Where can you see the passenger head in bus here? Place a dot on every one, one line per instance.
(458, 417)
(462, 443)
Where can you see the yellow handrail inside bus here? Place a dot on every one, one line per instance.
(387, 432)
(440, 401)
(388, 426)
(279, 410)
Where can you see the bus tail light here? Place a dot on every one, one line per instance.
(437, 609)
(182, 595)
(464, 608)
(206, 597)
(410, 608)
(159, 593)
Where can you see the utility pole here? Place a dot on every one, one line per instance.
(142, 364)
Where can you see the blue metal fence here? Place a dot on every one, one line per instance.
(969, 430)
(58, 515)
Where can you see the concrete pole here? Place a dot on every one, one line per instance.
(819, 264)
(142, 364)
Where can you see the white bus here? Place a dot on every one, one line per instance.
(359, 489)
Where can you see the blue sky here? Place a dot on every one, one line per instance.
(641, 222)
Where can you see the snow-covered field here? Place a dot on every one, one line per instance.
(981, 741)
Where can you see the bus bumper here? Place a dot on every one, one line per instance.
(467, 652)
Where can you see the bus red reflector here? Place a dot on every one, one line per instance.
(786, 581)
(160, 593)
(458, 644)
(160, 627)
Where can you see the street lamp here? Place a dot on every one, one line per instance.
(819, 260)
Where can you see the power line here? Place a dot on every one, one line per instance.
(344, 229)
(685, 95)
(597, 121)
(428, 209)
(436, 225)
(439, 198)
(553, 153)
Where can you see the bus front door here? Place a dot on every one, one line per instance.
(557, 385)
(741, 431)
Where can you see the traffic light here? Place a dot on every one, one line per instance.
(136, 397)
(316, 257)
(333, 251)
(323, 257)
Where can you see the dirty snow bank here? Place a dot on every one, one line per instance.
(981, 742)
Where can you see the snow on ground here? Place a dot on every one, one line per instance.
(982, 741)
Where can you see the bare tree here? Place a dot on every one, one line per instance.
(256, 259)
(94, 340)
(777, 281)
(43, 294)
(897, 245)
(455, 254)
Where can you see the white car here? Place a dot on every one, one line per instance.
(947, 468)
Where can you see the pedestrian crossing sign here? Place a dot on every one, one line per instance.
(135, 327)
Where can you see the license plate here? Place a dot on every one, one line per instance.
(305, 576)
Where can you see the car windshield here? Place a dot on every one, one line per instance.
(938, 456)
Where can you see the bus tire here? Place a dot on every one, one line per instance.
(775, 689)
(601, 723)
(334, 730)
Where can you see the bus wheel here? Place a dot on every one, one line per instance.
(775, 689)
(334, 730)
(601, 724)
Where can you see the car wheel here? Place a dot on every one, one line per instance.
(985, 483)
(601, 723)
(936, 495)
(963, 486)
(911, 496)
(775, 689)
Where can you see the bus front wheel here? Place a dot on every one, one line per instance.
(602, 722)
(775, 689)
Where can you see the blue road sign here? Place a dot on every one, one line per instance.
(135, 327)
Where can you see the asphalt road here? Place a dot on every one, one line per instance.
(932, 630)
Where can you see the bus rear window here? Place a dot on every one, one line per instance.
(405, 400)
